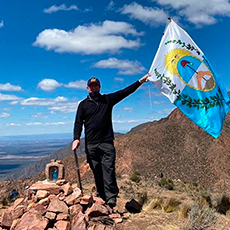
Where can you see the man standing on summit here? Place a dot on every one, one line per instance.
(95, 112)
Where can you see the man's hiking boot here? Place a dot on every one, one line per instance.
(112, 202)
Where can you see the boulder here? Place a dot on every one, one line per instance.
(6, 220)
(67, 188)
(62, 225)
(78, 222)
(75, 209)
(32, 221)
(97, 210)
(73, 197)
(133, 206)
(57, 205)
(50, 215)
(41, 194)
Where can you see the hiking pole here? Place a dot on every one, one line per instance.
(78, 171)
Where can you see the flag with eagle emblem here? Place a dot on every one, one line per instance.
(181, 71)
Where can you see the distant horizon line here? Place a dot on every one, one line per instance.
(39, 134)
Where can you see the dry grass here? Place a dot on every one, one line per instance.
(184, 209)
(170, 205)
(156, 203)
(201, 218)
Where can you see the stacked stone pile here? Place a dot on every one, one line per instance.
(60, 206)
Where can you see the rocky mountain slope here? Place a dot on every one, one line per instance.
(179, 149)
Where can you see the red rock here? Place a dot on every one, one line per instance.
(118, 220)
(52, 196)
(78, 222)
(75, 209)
(61, 196)
(125, 215)
(32, 221)
(18, 212)
(50, 215)
(14, 224)
(110, 210)
(59, 161)
(73, 197)
(6, 219)
(31, 205)
(98, 200)
(45, 201)
(41, 194)
(62, 225)
(39, 209)
(62, 216)
(67, 188)
(57, 206)
(86, 200)
(100, 227)
(51, 188)
(97, 210)
(114, 215)
(61, 182)
(18, 202)
(92, 227)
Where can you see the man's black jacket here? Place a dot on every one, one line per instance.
(96, 115)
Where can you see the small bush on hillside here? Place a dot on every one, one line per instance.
(200, 218)
(156, 203)
(171, 204)
(166, 183)
(136, 177)
(184, 209)
(142, 198)
(223, 205)
(118, 175)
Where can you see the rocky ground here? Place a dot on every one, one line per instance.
(167, 205)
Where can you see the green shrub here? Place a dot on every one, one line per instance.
(166, 183)
(136, 177)
(142, 198)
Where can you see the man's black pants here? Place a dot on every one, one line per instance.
(101, 158)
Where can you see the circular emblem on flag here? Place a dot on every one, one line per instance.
(190, 69)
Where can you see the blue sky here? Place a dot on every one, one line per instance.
(49, 49)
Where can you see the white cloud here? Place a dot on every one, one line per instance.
(1, 24)
(128, 109)
(14, 102)
(99, 38)
(199, 12)
(62, 7)
(48, 84)
(119, 79)
(164, 111)
(43, 101)
(8, 97)
(125, 67)
(80, 84)
(111, 5)
(148, 15)
(13, 124)
(9, 87)
(39, 115)
(44, 124)
(130, 121)
(69, 107)
(4, 115)
(158, 102)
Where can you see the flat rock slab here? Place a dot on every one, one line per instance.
(50, 187)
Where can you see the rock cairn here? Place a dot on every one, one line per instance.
(59, 206)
